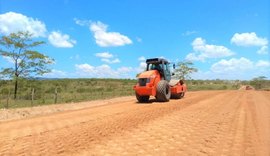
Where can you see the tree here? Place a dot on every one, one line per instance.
(17, 48)
(259, 82)
(260, 78)
(184, 69)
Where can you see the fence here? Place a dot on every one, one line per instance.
(43, 94)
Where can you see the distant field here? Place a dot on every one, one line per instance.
(75, 90)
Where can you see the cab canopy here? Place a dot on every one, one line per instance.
(156, 61)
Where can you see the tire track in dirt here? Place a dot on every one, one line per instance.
(261, 121)
(82, 126)
(203, 123)
(165, 137)
(211, 127)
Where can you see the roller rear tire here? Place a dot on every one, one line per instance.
(163, 91)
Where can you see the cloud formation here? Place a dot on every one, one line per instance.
(142, 64)
(108, 39)
(104, 55)
(60, 40)
(103, 71)
(235, 68)
(203, 51)
(188, 33)
(263, 50)
(248, 39)
(142, 59)
(12, 22)
(111, 61)
(232, 65)
(56, 74)
(107, 57)
(82, 22)
(263, 63)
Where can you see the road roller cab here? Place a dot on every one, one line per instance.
(156, 81)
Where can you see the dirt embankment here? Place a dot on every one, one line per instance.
(203, 123)
(21, 113)
(246, 87)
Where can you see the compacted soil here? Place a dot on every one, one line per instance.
(202, 123)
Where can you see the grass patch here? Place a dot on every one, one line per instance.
(68, 90)
(77, 90)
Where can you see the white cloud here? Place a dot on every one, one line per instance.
(210, 51)
(142, 66)
(104, 55)
(11, 22)
(107, 39)
(85, 68)
(234, 68)
(82, 22)
(262, 63)
(60, 40)
(263, 50)
(262, 68)
(194, 57)
(232, 65)
(110, 61)
(248, 39)
(188, 33)
(8, 59)
(103, 71)
(142, 58)
(56, 74)
(203, 51)
(107, 57)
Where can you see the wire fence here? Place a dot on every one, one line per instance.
(35, 98)
(62, 91)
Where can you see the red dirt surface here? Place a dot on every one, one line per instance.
(202, 123)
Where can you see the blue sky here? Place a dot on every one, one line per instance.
(101, 38)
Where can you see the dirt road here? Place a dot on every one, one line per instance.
(203, 123)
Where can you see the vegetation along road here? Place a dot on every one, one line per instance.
(202, 123)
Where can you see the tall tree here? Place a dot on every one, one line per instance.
(184, 69)
(260, 82)
(17, 48)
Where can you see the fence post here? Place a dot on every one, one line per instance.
(55, 95)
(32, 96)
(8, 99)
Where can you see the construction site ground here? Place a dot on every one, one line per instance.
(202, 123)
